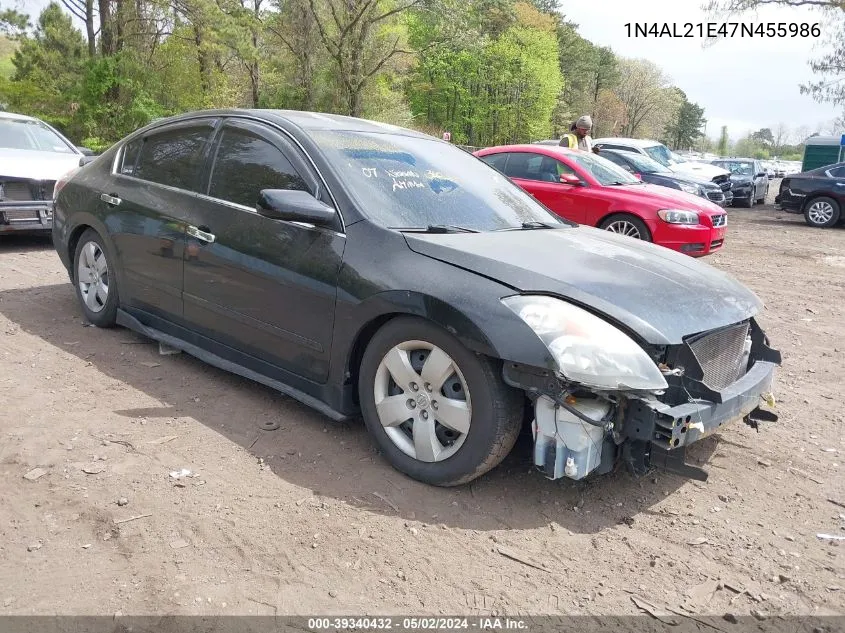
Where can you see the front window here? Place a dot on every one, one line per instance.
(602, 169)
(736, 167)
(410, 182)
(31, 135)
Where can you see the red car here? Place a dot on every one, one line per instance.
(586, 188)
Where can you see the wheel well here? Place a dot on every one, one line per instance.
(812, 197)
(363, 339)
(612, 213)
(73, 241)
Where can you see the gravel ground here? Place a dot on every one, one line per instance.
(309, 519)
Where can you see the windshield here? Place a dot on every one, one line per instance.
(603, 170)
(736, 167)
(661, 154)
(646, 165)
(31, 135)
(409, 182)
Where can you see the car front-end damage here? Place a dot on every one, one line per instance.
(603, 402)
(26, 205)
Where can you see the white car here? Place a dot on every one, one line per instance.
(33, 156)
(663, 155)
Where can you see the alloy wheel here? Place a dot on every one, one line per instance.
(624, 227)
(422, 401)
(92, 274)
(820, 212)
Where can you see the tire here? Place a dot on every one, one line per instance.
(749, 201)
(822, 212)
(93, 271)
(625, 224)
(490, 419)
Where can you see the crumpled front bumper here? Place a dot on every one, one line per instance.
(26, 216)
(683, 424)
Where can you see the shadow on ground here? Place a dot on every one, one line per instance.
(331, 459)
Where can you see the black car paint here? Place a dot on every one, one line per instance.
(756, 185)
(300, 320)
(800, 189)
(668, 179)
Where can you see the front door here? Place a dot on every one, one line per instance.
(540, 176)
(265, 287)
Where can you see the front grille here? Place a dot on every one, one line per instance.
(20, 215)
(716, 196)
(720, 354)
(720, 220)
(26, 190)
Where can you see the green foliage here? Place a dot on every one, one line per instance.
(724, 141)
(683, 131)
(489, 71)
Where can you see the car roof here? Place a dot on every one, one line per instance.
(307, 121)
(633, 142)
(537, 148)
(16, 117)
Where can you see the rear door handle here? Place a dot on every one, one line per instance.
(112, 201)
(201, 235)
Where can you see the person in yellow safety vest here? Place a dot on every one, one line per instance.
(579, 135)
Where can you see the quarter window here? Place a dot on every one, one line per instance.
(174, 157)
(246, 164)
(130, 157)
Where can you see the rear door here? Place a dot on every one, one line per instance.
(262, 286)
(155, 187)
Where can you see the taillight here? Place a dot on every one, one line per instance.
(61, 182)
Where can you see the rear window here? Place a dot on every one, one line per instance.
(174, 157)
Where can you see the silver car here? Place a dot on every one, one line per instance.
(33, 156)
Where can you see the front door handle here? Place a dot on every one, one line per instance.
(112, 201)
(202, 236)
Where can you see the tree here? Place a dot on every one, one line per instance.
(831, 66)
(687, 127)
(649, 101)
(781, 134)
(764, 136)
(724, 141)
(358, 36)
(13, 24)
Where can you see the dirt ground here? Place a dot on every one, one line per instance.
(308, 519)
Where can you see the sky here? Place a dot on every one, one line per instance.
(745, 84)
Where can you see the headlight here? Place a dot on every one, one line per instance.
(690, 188)
(676, 216)
(587, 349)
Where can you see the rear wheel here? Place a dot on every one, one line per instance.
(439, 412)
(626, 224)
(94, 280)
(822, 212)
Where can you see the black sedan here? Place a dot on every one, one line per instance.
(370, 270)
(652, 172)
(819, 194)
(749, 181)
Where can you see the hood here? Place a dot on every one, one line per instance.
(707, 183)
(741, 178)
(665, 198)
(701, 170)
(31, 164)
(659, 294)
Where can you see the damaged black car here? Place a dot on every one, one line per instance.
(369, 270)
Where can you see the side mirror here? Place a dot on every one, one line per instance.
(570, 179)
(84, 160)
(762, 174)
(294, 206)
(86, 151)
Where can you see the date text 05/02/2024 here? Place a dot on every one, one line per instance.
(722, 29)
(405, 624)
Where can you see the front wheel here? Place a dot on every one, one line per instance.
(822, 212)
(439, 412)
(94, 279)
(626, 224)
